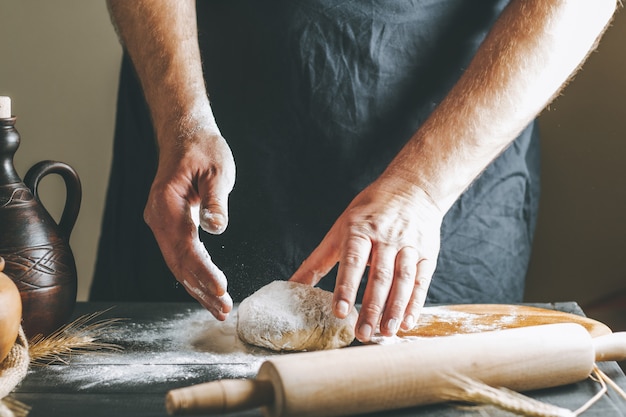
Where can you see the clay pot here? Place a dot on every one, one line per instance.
(36, 249)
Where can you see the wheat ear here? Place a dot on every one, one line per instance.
(80, 336)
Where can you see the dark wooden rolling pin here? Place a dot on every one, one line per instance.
(372, 378)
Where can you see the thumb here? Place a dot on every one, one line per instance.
(318, 264)
(214, 206)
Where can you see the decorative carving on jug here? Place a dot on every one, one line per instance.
(15, 197)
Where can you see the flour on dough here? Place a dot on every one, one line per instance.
(288, 316)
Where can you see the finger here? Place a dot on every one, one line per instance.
(424, 273)
(219, 307)
(214, 203)
(352, 264)
(211, 293)
(319, 263)
(204, 281)
(377, 290)
(401, 290)
(179, 243)
(205, 275)
(189, 260)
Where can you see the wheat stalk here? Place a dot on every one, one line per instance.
(80, 336)
(598, 378)
(604, 377)
(469, 390)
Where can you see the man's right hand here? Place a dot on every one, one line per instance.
(196, 167)
(197, 171)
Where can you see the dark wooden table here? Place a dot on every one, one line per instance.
(171, 345)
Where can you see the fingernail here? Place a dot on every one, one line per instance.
(214, 223)
(365, 331)
(392, 325)
(342, 308)
(409, 322)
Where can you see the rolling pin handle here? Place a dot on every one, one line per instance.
(220, 397)
(610, 347)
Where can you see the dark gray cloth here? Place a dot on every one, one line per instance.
(315, 98)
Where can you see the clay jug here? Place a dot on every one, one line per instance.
(36, 249)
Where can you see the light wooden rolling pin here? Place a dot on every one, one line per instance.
(382, 377)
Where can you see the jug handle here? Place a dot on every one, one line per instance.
(72, 185)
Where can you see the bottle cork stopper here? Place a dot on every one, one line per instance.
(5, 107)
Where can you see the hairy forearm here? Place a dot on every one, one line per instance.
(161, 38)
(531, 52)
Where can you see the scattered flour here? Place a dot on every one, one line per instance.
(445, 321)
(189, 348)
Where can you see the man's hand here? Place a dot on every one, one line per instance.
(393, 227)
(530, 53)
(197, 171)
(196, 167)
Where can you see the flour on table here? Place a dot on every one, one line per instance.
(288, 316)
(183, 349)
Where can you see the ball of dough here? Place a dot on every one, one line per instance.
(288, 316)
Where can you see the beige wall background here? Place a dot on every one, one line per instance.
(59, 62)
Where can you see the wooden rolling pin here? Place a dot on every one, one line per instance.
(373, 378)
